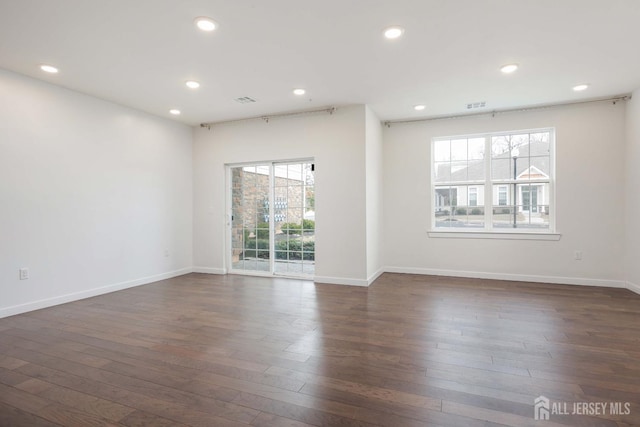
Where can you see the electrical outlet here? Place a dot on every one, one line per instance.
(578, 255)
(24, 273)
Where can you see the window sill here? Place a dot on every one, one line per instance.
(505, 235)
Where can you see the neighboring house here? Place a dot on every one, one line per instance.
(532, 183)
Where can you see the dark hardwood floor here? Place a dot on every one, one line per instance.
(202, 350)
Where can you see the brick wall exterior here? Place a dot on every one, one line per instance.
(250, 203)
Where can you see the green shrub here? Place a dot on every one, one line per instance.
(476, 211)
(461, 211)
(263, 230)
(308, 224)
(256, 248)
(291, 228)
(296, 250)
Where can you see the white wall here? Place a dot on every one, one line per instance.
(374, 180)
(632, 169)
(336, 142)
(91, 195)
(589, 193)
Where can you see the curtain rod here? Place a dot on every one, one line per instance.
(266, 118)
(614, 99)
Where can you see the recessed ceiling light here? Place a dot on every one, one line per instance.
(49, 68)
(174, 112)
(419, 107)
(393, 32)
(581, 87)
(509, 68)
(299, 92)
(192, 84)
(206, 24)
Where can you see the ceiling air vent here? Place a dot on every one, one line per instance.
(476, 105)
(245, 100)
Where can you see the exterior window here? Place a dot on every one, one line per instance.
(473, 196)
(493, 182)
(502, 195)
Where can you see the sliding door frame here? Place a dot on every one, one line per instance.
(229, 218)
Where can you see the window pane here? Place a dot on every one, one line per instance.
(280, 172)
(500, 148)
(459, 149)
(446, 196)
(441, 151)
(522, 168)
(475, 217)
(503, 216)
(540, 145)
(249, 177)
(501, 169)
(476, 149)
(519, 141)
(459, 207)
(262, 170)
(540, 167)
(475, 170)
(442, 172)
(459, 171)
(463, 217)
(295, 172)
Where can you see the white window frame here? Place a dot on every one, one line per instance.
(488, 231)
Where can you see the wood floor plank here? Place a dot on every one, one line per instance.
(22, 400)
(145, 419)
(147, 388)
(14, 417)
(7, 362)
(270, 420)
(65, 415)
(162, 408)
(91, 405)
(409, 351)
(292, 411)
(12, 378)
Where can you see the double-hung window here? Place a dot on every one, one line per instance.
(494, 182)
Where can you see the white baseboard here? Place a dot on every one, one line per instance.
(209, 270)
(514, 277)
(62, 299)
(375, 275)
(49, 302)
(316, 279)
(340, 281)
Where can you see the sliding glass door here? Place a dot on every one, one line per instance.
(272, 224)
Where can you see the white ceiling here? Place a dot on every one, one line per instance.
(139, 53)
